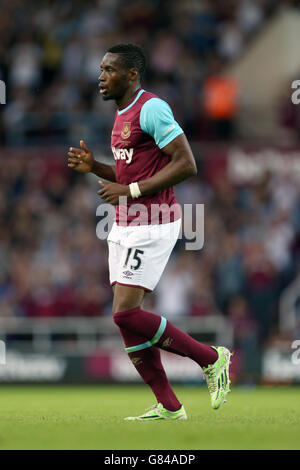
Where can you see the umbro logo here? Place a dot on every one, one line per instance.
(136, 361)
(167, 343)
(127, 273)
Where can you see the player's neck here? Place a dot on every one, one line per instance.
(127, 97)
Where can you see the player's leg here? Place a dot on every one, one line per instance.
(147, 360)
(156, 329)
(160, 332)
(147, 256)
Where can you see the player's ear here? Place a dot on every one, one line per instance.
(133, 74)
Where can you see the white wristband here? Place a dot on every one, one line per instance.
(134, 190)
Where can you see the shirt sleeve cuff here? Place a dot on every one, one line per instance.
(175, 133)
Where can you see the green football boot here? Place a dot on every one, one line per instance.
(159, 412)
(217, 377)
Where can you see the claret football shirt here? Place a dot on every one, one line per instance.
(141, 129)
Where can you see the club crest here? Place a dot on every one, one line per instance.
(126, 131)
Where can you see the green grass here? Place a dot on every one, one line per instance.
(82, 417)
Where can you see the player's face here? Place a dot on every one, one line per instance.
(114, 79)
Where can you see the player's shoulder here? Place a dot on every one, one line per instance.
(148, 95)
(153, 103)
(152, 99)
(157, 120)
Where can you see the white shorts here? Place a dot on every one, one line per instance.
(138, 254)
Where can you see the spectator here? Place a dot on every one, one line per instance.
(220, 95)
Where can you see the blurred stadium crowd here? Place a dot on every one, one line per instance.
(51, 262)
(50, 55)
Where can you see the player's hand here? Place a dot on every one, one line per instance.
(82, 159)
(111, 192)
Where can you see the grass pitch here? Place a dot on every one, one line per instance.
(91, 417)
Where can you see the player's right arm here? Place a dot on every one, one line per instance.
(82, 160)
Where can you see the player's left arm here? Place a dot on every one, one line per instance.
(182, 165)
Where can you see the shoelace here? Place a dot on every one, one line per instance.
(211, 384)
(152, 408)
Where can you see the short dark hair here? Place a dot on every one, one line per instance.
(132, 56)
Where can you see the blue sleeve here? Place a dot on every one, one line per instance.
(157, 120)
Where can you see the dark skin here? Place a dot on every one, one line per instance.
(119, 84)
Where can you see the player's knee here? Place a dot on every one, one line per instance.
(124, 305)
(120, 307)
(124, 318)
(119, 319)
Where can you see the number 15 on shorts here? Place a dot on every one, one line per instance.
(133, 256)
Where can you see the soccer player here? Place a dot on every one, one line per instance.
(151, 155)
